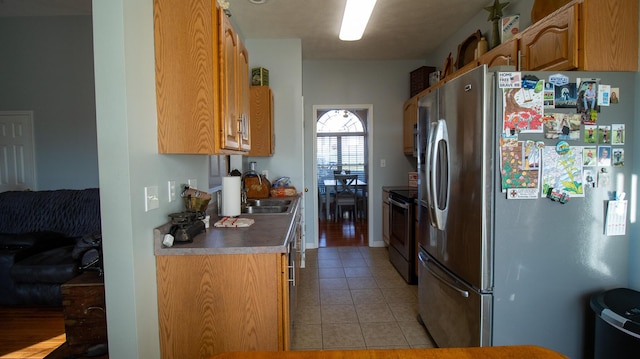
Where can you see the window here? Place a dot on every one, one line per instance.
(341, 143)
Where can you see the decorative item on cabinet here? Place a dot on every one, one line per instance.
(263, 138)
(509, 27)
(447, 69)
(482, 48)
(259, 76)
(467, 49)
(419, 79)
(434, 78)
(542, 8)
(495, 14)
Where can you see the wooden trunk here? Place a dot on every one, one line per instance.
(84, 311)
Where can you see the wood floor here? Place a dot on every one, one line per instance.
(30, 332)
(344, 232)
(34, 333)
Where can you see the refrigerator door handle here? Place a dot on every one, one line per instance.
(439, 210)
(425, 262)
(428, 179)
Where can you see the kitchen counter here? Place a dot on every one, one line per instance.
(268, 234)
(505, 352)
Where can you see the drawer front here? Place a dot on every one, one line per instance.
(85, 314)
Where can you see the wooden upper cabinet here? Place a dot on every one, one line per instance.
(187, 83)
(230, 112)
(502, 55)
(235, 88)
(199, 64)
(409, 123)
(262, 131)
(551, 43)
(588, 35)
(608, 38)
(244, 98)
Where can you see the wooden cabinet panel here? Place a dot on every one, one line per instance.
(262, 130)
(503, 55)
(552, 43)
(244, 98)
(608, 35)
(410, 120)
(230, 112)
(218, 303)
(186, 48)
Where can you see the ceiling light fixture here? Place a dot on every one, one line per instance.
(355, 19)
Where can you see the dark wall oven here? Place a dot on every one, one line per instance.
(401, 232)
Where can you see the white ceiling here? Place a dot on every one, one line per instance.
(398, 29)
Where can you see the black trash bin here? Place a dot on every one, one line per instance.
(617, 323)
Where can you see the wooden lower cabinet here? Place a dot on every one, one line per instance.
(209, 304)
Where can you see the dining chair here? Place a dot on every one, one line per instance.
(363, 198)
(346, 194)
(322, 200)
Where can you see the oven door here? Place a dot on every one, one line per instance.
(401, 242)
(400, 227)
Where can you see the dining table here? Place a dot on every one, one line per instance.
(330, 185)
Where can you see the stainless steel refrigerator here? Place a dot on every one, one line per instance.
(498, 271)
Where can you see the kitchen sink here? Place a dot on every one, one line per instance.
(268, 202)
(267, 206)
(265, 209)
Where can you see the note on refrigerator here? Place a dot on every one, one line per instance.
(616, 220)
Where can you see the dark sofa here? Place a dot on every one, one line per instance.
(42, 234)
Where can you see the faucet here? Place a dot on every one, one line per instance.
(243, 194)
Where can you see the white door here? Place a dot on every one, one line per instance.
(17, 158)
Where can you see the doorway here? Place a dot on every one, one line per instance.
(341, 151)
(17, 154)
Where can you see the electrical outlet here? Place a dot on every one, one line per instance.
(265, 173)
(383, 163)
(193, 183)
(151, 200)
(172, 190)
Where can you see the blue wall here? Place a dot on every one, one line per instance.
(47, 67)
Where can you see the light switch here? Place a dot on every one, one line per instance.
(383, 163)
(151, 200)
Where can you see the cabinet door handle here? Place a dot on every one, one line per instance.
(86, 311)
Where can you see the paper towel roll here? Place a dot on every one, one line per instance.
(231, 196)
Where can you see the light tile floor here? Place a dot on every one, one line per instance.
(353, 298)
